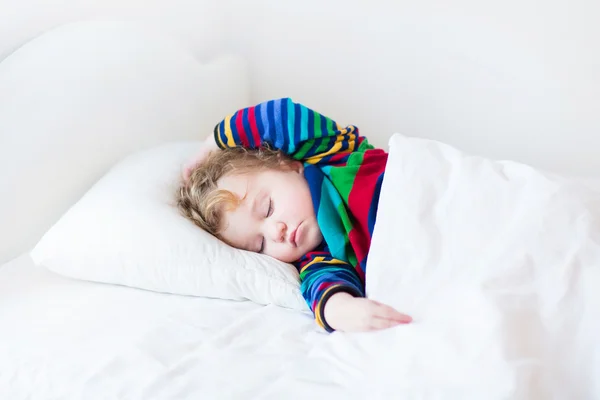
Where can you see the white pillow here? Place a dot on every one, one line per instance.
(127, 230)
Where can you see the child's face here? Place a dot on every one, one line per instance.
(276, 216)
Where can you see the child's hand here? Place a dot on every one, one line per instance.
(346, 313)
(208, 146)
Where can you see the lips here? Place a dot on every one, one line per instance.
(294, 236)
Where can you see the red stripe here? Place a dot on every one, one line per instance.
(240, 129)
(359, 201)
(338, 157)
(355, 239)
(324, 286)
(253, 127)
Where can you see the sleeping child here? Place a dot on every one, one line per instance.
(283, 180)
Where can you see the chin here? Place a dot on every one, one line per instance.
(293, 258)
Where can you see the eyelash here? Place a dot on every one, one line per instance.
(270, 210)
(269, 213)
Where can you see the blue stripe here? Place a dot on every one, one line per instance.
(311, 125)
(374, 203)
(314, 178)
(297, 122)
(281, 125)
(345, 144)
(278, 121)
(324, 131)
(325, 272)
(271, 131)
(259, 123)
(246, 127)
(234, 131)
(264, 116)
(331, 143)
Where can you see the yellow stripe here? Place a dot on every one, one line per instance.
(222, 145)
(314, 261)
(313, 159)
(319, 305)
(228, 132)
(337, 145)
(333, 261)
(351, 137)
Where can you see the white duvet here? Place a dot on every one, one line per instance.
(498, 264)
(500, 267)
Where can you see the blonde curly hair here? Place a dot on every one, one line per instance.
(200, 200)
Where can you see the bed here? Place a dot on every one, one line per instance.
(62, 338)
(69, 339)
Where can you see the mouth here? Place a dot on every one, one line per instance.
(292, 237)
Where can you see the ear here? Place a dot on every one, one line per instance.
(297, 166)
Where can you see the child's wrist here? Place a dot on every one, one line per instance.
(334, 306)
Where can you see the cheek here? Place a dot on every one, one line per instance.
(298, 196)
(298, 206)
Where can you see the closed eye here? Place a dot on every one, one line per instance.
(262, 245)
(270, 209)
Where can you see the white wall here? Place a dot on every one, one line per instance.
(198, 22)
(517, 79)
(511, 79)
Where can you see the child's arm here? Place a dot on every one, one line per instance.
(335, 294)
(298, 131)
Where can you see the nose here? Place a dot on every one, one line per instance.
(278, 230)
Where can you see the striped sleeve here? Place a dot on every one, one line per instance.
(322, 276)
(298, 131)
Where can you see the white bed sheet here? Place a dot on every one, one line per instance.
(67, 339)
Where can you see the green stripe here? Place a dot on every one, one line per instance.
(323, 146)
(318, 132)
(344, 177)
(301, 153)
(364, 146)
(341, 209)
(330, 126)
(352, 260)
(348, 250)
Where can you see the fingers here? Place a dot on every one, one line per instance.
(384, 316)
(382, 323)
(387, 312)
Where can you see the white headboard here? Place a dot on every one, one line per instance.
(80, 97)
